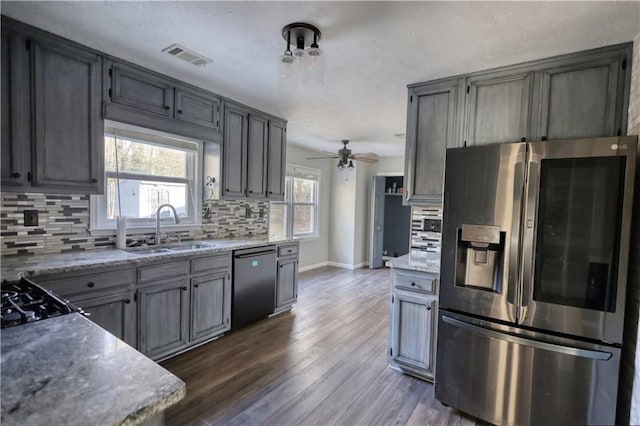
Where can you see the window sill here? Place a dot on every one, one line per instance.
(307, 238)
(101, 232)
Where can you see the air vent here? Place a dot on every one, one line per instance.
(187, 55)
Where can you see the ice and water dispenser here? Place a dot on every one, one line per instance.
(479, 257)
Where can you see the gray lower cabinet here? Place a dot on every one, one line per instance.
(498, 107)
(256, 156)
(113, 311)
(276, 160)
(234, 164)
(210, 305)
(163, 318)
(140, 90)
(287, 283)
(197, 107)
(413, 323)
(432, 127)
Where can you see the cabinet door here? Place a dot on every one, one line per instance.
(163, 318)
(210, 305)
(197, 108)
(582, 97)
(257, 151)
(287, 284)
(235, 152)
(15, 145)
(432, 127)
(498, 108)
(113, 312)
(141, 90)
(412, 330)
(276, 160)
(68, 136)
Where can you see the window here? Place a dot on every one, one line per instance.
(297, 215)
(144, 170)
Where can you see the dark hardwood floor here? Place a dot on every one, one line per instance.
(322, 363)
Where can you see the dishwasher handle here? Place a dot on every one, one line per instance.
(254, 254)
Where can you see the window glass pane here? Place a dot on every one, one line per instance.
(138, 157)
(140, 198)
(576, 248)
(278, 221)
(303, 190)
(303, 219)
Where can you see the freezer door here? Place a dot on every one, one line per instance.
(497, 375)
(481, 230)
(576, 236)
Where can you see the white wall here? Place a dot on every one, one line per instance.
(388, 165)
(361, 212)
(343, 202)
(315, 251)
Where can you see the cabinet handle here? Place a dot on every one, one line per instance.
(250, 192)
(544, 138)
(167, 107)
(196, 285)
(127, 301)
(523, 139)
(94, 180)
(16, 175)
(413, 284)
(227, 189)
(270, 192)
(184, 288)
(428, 307)
(91, 284)
(179, 111)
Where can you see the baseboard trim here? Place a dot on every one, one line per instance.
(348, 266)
(311, 267)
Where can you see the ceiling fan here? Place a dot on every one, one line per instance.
(346, 158)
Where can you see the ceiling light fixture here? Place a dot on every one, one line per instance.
(305, 65)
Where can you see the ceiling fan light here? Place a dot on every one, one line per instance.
(287, 71)
(351, 164)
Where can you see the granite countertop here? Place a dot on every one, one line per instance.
(14, 267)
(430, 264)
(67, 370)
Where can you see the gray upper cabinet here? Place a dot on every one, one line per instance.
(15, 146)
(276, 160)
(197, 108)
(163, 319)
(257, 152)
(412, 331)
(115, 312)
(141, 90)
(432, 127)
(234, 166)
(210, 305)
(498, 107)
(583, 96)
(68, 133)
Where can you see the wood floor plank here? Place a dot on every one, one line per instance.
(322, 363)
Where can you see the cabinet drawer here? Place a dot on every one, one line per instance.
(210, 263)
(288, 250)
(416, 281)
(162, 271)
(76, 284)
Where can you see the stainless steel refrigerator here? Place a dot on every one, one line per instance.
(533, 279)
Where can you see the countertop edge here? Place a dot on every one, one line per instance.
(156, 408)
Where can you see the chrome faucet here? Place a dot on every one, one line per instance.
(176, 220)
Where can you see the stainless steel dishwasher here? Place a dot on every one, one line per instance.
(254, 285)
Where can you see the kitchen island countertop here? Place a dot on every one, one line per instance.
(431, 264)
(13, 267)
(67, 370)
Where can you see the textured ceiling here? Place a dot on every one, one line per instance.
(373, 50)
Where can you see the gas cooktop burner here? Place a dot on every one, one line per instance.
(24, 301)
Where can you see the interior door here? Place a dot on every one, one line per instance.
(481, 222)
(576, 236)
(377, 223)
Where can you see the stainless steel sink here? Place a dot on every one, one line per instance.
(168, 248)
(149, 250)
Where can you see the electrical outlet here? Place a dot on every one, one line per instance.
(30, 217)
(261, 213)
(247, 212)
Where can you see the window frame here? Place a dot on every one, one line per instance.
(100, 225)
(289, 204)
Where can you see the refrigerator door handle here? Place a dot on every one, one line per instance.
(529, 233)
(568, 350)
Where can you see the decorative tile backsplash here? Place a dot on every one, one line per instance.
(63, 224)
